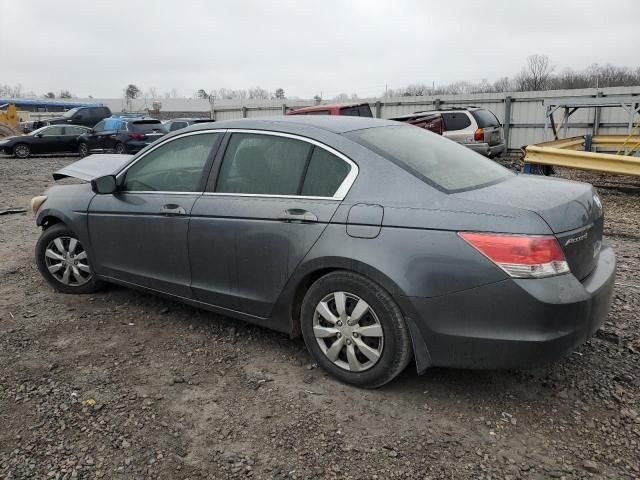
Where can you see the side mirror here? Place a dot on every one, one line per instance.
(78, 117)
(104, 185)
(92, 131)
(39, 135)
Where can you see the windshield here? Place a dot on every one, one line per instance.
(70, 113)
(436, 160)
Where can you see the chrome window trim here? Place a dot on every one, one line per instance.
(339, 194)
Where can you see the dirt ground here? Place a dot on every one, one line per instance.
(184, 394)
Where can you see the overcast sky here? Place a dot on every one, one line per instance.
(306, 47)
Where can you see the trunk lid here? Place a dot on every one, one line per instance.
(93, 166)
(571, 209)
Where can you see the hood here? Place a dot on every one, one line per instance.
(7, 139)
(54, 120)
(93, 166)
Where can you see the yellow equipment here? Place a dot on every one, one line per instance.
(9, 120)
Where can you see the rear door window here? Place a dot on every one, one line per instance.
(263, 164)
(485, 118)
(365, 111)
(350, 111)
(177, 126)
(53, 132)
(455, 120)
(436, 160)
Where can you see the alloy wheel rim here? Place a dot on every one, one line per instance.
(22, 151)
(83, 149)
(120, 148)
(348, 331)
(67, 261)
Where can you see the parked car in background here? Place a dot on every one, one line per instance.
(178, 123)
(475, 128)
(50, 139)
(345, 109)
(120, 135)
(377, 241)
(428, 121)
(83, 116)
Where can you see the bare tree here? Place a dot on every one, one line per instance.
(202, 93)
(279, 93)
(65, 94)
(341, 97)
(49, 95)
(11, 91)
(152, 93)
(535, 75)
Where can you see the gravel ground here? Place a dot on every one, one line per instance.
(124, 385)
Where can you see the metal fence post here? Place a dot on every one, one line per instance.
(244, 112)
(437, 103)
(284, 109)
(507, 119)
(596, 117)
(378, 109)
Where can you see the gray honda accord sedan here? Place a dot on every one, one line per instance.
(377, 241)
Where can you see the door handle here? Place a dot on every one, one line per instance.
(298, 215)
(171, 209)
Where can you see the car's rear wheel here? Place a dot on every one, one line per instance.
(119, 148)
(354, 329)
(64, 262)
(83, 149)
(22, 150)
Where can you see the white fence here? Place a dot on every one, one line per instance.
(522, 113)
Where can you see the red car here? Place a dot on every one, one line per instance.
(348, 109)
(429, 121)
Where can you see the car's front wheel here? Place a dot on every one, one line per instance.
(64, 262)
(22, 150)
(119, 148)
(354, 329)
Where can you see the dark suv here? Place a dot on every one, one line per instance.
(84, 116)
(120, 135)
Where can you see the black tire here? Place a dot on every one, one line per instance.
(83, 149)
(396, 350)
(21, 150)
(62, 233)
(119, 148)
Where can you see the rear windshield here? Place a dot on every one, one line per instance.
(145, 127)
(440, 162)
(485, 118)
(356, 111)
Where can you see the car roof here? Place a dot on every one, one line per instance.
(319, 108)
(335, 124)
(190, 119)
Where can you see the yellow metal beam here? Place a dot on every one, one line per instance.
(615, 140)
(593, 161)
(569, 142)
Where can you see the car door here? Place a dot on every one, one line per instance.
(50, 140)
(95, 137)
(70, 136)
(273, 197)
(139, 234)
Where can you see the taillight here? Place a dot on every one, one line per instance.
(520, 256)
(478, 135)
(137, 136)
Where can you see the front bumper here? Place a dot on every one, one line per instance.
(514, 323)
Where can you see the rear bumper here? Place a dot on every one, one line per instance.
(134, 146)
(514, 323)
(486, 149)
